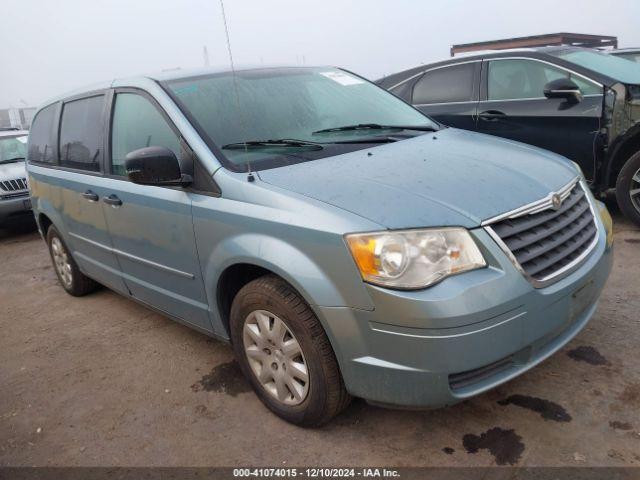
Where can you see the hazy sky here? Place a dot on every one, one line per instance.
(49, 47)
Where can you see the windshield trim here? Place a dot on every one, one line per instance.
(266, 164)
(436, 123)
(217, 151)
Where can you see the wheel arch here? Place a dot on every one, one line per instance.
(46, 214)
(231, 281)
(239, 260)
(44, 222)
(621, 153)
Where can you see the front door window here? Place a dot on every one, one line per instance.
(138, 124)
(519, 79)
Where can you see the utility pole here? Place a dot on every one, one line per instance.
(205, 55)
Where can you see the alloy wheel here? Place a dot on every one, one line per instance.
(634, 190)
(61, 262)
(275, 357)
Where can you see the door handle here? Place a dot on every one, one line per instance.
(491, 115)
(112, 200)
(89, 195)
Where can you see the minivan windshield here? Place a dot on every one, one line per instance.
(13, 149)
(609, 65)
(269, 117)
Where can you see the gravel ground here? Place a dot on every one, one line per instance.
(102, 381)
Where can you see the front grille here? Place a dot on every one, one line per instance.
(13, 185)
(546, 241)
(7, 196)
(471, 377)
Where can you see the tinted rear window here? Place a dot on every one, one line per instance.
(42, 147)
(447, 84)
(81, 133)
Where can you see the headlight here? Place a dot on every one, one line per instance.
(607, 221)
(412, 259)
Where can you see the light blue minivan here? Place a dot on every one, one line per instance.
(343, 242)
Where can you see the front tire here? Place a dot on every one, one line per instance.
(71, 278)
(285, 354)
(628, 189)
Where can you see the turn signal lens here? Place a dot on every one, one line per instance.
(605, 216)
(363, 251)
(412, 259)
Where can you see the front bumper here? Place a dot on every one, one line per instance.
(468, 334)
(17, 206)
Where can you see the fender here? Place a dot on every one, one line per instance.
(623, 125)
(285, 260)
(619, 154)
(42, 204)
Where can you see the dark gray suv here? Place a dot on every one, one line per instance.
(14, 194)
(581, 103)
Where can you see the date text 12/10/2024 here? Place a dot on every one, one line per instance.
(315, 473)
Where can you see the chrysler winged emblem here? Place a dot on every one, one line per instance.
(556, 201)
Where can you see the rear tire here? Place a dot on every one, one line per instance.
(69, 275)
(628, 189)
(268, 314)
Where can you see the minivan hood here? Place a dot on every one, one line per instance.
(451, 177)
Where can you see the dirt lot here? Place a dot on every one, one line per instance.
(101, 380)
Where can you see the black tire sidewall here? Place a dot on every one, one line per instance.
(313, 407)
(623, 187)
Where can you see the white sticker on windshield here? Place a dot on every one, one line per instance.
(22, 139)
(342, 78)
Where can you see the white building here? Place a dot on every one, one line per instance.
(16, 117)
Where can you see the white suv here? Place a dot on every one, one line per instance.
(14, 192)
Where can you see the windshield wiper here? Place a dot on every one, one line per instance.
(12, 160)
(283, 142)
(377, 126)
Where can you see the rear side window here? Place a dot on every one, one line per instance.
(403, 91)
(42, 147)
(444, 85)
(137, 123)
(81, 134)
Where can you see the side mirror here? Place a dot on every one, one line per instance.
(155, 166)
(563, 88)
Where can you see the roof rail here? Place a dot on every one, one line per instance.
(546, 40)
